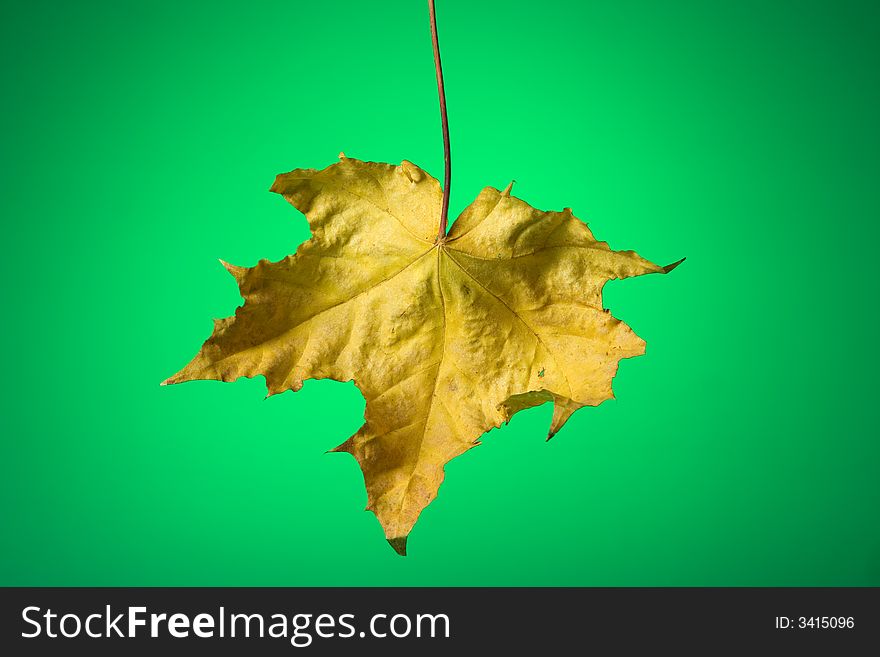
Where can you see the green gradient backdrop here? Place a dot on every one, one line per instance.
(138, 146)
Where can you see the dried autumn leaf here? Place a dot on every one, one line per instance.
(445, 339)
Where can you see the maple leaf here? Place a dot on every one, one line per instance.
(445, 338)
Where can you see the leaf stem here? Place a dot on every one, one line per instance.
(447, 158)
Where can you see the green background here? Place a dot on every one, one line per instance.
(139, 142)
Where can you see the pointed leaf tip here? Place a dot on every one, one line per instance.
(399, 545)
(669, 268)
(343, 447)
(236, 271)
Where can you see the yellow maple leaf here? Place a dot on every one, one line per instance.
(446, 338)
